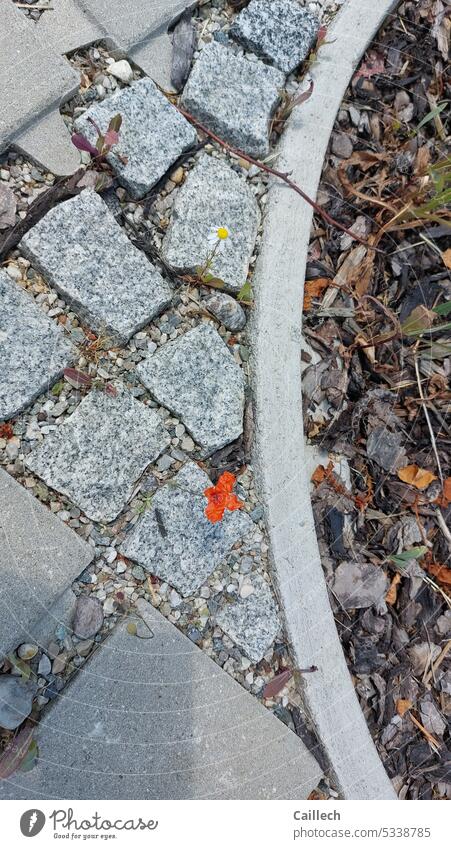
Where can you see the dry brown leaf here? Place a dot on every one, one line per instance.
(313, 289)
(320, 474)
(402, 706)
(413, 475)
(441, 573)
(446, 257)
(392, 593)
(434, 744)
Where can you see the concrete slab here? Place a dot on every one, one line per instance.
(213, 196)
(280, 460)
(33, 349)
(97, 455)
(158, 719)
(47, 142)
(197, 379)
(176, 541)
(34, 78)
(83, 252)
(39, 559)
(234, 97)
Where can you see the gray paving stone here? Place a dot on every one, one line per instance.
(82, 251)
(280, 31)
(176, 541)
(33, 349)
(158, 719)
(152, 136)
(47, 141)
(213, 196)
(197, 379)
(252, 622)
(39, 559)
(234, 97)
(33, 77)
(97, 455)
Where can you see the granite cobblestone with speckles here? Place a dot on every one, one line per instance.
(98, 454)
(280, 31)
(175, 541)
(213, 196)
(199, 381)
(82, 251)
(33, 350)
(234, 97)
(152, 136)
(251, 622)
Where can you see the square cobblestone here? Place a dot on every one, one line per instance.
(98, 454)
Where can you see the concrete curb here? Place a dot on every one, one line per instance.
(280, 453)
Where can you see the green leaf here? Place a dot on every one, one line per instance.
(432, 114)
(410, 554)
(30, 758)
(58, 388)
(21, 666)
(245, 293)
(115, 123)
(442, 309)
(419, 320)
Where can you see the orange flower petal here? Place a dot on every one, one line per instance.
(226, 482)
(214, 512)
(233, 503)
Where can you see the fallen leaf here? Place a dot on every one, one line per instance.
(313, 289)
(15, 752)
(77, 379)
(402, 706)
(132, 629)
(373, 64)
(392, 594)
(415, 476)
(277, 684)
(441, 573)
(6, 431)
(446, 257)
(434, 744)
(419, 320)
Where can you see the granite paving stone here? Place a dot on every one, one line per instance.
(176, 541)
(158, 719)
(33, 349)
(153, 134)
(280, 31)
(197, 379)
(234, 97)
(97, 455)
(39, 558)
(213, 196)
(82, 251)
(251, 622)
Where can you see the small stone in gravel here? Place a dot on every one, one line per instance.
(16, 699)
(175, 541)
(342, 145)
(359, 584)
(27, 651)
(45, 666)
(214, 196)
(227, 310)
(84, 647)
(153, 134)
(252, 623)
(197, 379)
(122, 70)
(7, 207)
(88, 616)
(234, 97)
(33, 350)
(279, 31)
(165, 462)
(82, 251)
(96, 456)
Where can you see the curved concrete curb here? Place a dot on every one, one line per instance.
(280, 453)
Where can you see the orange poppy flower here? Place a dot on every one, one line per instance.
(221, 498)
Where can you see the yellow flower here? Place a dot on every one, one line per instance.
(217, 237)
(223, 233)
